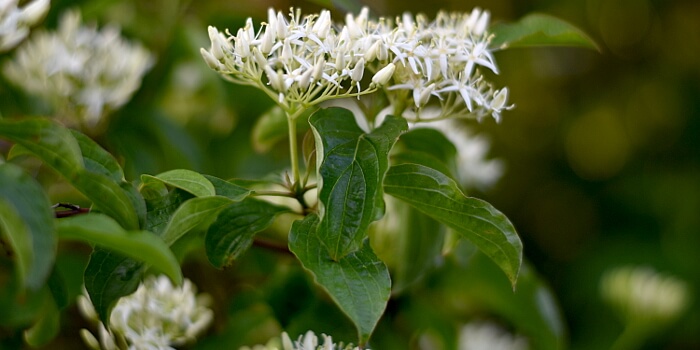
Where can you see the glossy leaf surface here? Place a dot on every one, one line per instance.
(233, 231)
(192, 213)
(352, 167)
(228, 189)
(359, 282)
(97, 159)
(540, 30)
(438, 196)
(188, 180)
(143, 246)
(110, 276)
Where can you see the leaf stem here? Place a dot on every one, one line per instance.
(293, 151)
(273, 193)
(310, 187)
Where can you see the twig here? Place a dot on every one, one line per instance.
(72, 210)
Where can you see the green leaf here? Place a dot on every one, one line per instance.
(21, 307)
(26, 221)
(46, 327)
(193, 213)
(429, 141)
(152, 188)
(108, 197)
(110, 276)
(47, 140)
(102, 230)
(188, 180)
(418, 245)
(18, 150)
(58, 148)
(532, 308)
(161, 209)
(58, 289)
(358, 283)
(540, 30)
(428, 147)
(137, 201)
(96, 159)
(233, 231)
(438, 196)
(352, 168)
(228, 189)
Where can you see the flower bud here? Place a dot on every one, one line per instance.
(259, 58)
(358, 71)
(407, 22)
(499, 99)
(217, 41)
(482, 23)
(373, 52)
(242, 44)
(318, 68)
(268, 40)
(383, 76)
(35, 11)
(323, 24)
(276, 79)
(473, 18)
(354, 29)
(287, 55)
(281, 26)
(89, 339)
(362, 18)
(304, 80)
(421, 97)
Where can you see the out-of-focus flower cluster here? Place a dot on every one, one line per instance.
(301, 61)
(83, 72)
(157, 316)
(15, 22)
(308, 341)
(488, 336)
(474, 169)
(641, 294)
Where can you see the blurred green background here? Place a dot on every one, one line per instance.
(602, 151)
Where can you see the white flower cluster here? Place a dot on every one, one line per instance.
(642, 294)
(83, 72)
(488, 336)
(304, 61)
(15, 22)
(156, 316)
(308, 341)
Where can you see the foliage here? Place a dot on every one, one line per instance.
(369, 236)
